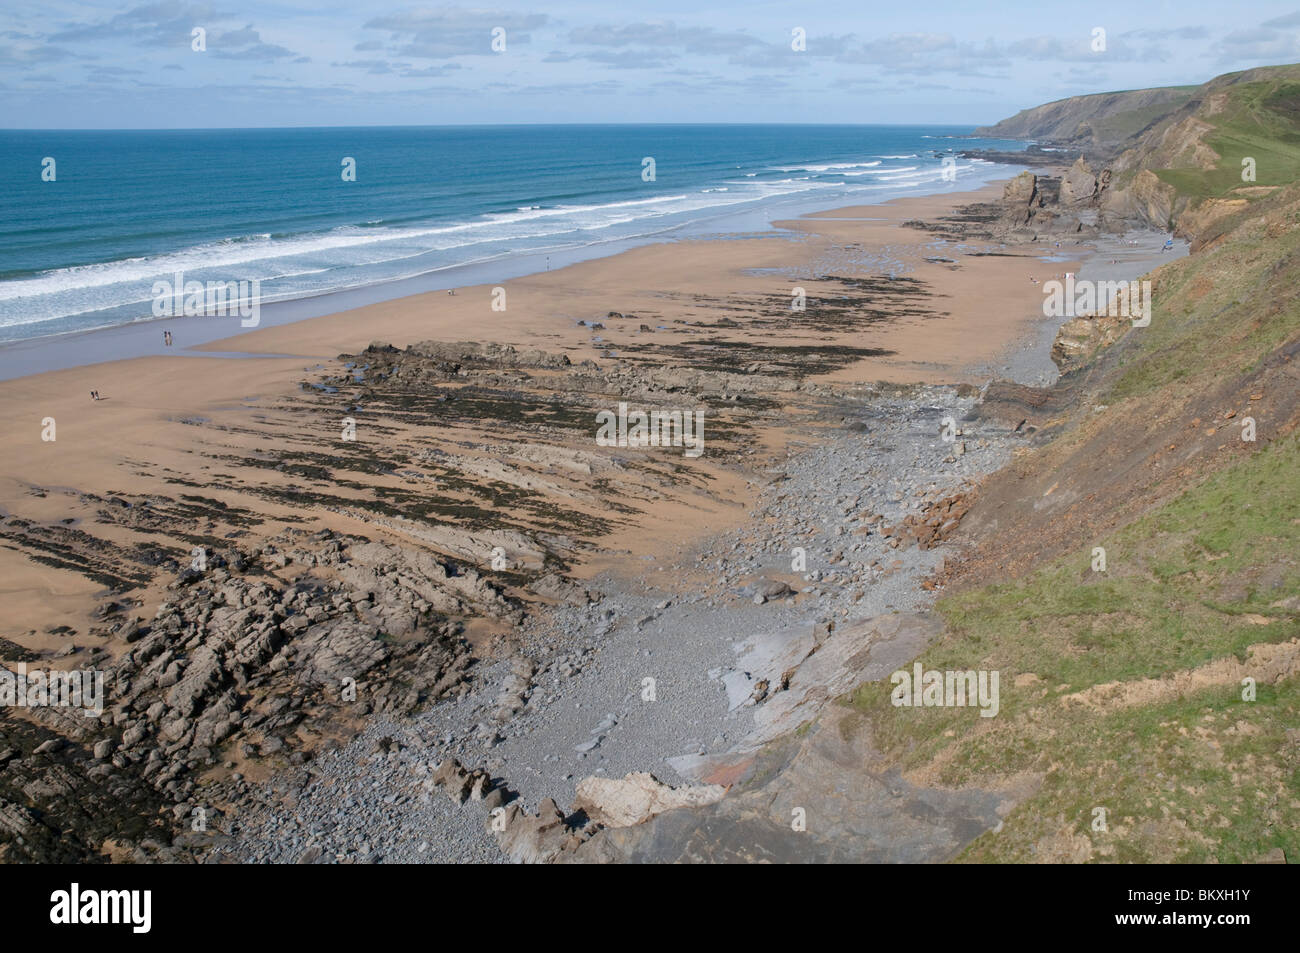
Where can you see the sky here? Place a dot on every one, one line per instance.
(70, 64)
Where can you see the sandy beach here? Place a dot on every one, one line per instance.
(162, 414)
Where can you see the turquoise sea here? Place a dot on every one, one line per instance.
(128, 208)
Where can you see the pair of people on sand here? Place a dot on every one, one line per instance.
(167, 338)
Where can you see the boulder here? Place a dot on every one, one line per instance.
(1079, 185)
(532, 839)
(1021, 193)
(637, 797)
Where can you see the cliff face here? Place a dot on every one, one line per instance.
(1091, 124)
(1174, 158)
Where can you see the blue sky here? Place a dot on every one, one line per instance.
(71, 64)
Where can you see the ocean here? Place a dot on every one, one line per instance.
(128, 208)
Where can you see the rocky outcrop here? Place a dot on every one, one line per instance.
(1080, 338)
(483, 353)
(557, 588)
(539, 838)
(637, 797)
(1146, 200)
(406, 583)
(1020, 197)
(1035, 207)
(247, 666)
(460, 784)
(1080, 186)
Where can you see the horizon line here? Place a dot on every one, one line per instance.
(483, 125)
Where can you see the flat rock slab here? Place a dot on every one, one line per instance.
(855, 808)
(766, 658)
(854, 813)
(812, 674)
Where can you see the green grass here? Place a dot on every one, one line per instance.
(1261, 121)
(1180, 589)
(1217, 314)
(1206, 778)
